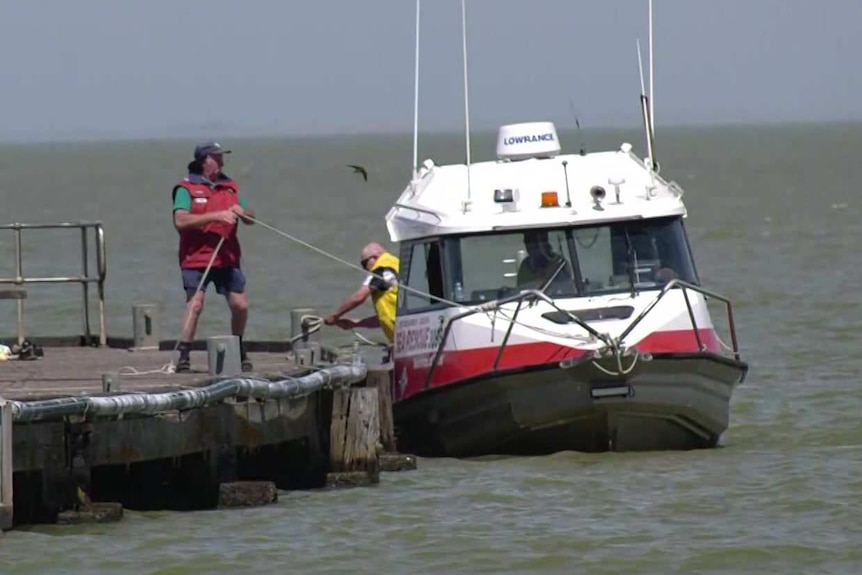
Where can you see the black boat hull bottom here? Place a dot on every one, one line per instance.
(671, 402)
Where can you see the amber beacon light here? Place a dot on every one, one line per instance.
(550, 200)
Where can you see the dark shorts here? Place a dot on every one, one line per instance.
(226, 280)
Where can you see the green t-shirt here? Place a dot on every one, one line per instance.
(183, 199)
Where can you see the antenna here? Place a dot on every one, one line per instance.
(466, 96)
(651, 76)
(645, 110)
(416, 98)
(581, 150)
(566, 174)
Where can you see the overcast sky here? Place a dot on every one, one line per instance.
(93, 68)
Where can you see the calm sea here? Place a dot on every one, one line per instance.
(774, 218)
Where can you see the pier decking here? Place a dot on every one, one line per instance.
(68, 371)
(194, 457)
(99, 423)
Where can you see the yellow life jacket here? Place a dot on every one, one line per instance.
(385, 302)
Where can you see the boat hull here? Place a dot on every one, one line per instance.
(670, 402)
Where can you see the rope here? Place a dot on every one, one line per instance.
(314, 323)
(622, 370)
(171, 368)
(326, 254)
(406, 288)
(617, 352)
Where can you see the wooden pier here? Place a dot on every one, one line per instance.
(236, 451)
(97, 423)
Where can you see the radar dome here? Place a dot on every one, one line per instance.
(527, 140)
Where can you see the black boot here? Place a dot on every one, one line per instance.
(184, 364)
(247, 366)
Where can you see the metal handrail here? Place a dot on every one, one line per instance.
(420, 210)
(84, 279)
(493, 305)
(680, 284)
(613, 344)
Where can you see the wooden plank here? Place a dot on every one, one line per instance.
(5, 464)
(13, 293)
(338, 428)
(363, 430)
(68, 371)
(355, 433)
(381, 379)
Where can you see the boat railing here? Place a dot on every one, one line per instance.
(520, 297)
(85, 278)
(614, 344)
(685, 287)
(420, 211)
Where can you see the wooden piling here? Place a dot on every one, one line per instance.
(354, 435)
(5, 464)
(381, 380)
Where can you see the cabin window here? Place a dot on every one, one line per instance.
(487, 267)
(571, 262)
(424, 273)
(648, 253)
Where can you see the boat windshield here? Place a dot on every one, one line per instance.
(568, 262)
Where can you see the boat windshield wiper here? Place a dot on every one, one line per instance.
(632, 260)
(554, 275)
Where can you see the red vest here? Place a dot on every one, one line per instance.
(197, 244)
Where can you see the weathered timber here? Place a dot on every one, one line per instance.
(179, 459)
(354, 435)
(247, 494)
(13, 293)
(75, 371)
(381, 379)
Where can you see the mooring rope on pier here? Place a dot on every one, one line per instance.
(150, 403)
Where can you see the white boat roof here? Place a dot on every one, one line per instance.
(435, 202)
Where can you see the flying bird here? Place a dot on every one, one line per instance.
(359, 170)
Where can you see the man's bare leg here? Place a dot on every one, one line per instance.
(194, 307)
(238, 304)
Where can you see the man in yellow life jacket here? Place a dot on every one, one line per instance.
(381, 284)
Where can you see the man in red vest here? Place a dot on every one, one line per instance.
(207, 204)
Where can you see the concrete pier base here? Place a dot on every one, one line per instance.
(247, 494)
(93, 513)
(397, 462)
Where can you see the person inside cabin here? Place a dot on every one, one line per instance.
(644, 248)
(543, 265)
(207, 205)
(381, 285)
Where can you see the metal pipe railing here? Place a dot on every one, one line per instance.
(334, 377)
(613, 344)
(84, 279)
(680, 284)
(420, 210)
(491, 306)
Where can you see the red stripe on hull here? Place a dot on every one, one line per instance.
(457, 365)
(680, 341)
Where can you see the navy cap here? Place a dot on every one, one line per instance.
(208, 149)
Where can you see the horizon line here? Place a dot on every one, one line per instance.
(253, 133)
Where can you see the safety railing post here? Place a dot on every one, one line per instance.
(84, 278)
(6, 498)
(19, 278)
